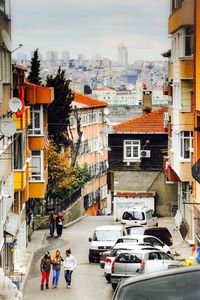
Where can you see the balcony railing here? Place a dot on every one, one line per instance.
(196, 171)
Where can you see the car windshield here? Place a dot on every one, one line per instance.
(106, 235)
(133, 215)
(174, 287)
(135, 230)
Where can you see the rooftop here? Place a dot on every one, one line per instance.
(152, 122)
(86, 101)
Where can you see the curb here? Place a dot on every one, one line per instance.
(22, 285)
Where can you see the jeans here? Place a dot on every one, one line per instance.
(52, 228)
(68, 276)
(56, 274)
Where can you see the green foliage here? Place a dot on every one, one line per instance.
(34, 76)
(59, 110)
(63, 180)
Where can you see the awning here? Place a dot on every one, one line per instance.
(13, 223)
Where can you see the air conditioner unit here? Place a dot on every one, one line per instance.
(145, 153)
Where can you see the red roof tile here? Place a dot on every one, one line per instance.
(135, 194)
(151, 122)
(83, 99)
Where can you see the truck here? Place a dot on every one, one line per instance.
(124, 200)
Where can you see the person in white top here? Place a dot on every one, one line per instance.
(69, 264)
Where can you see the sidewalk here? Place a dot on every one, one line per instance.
(179, 246)
(38, 241)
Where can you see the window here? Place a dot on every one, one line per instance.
(36, 167)
(84, 119)
(95, 117)
(188, 41)
(100, 117)
(36, 126)
(72, 121)
(19, 150)
(90, 118)
(131, 150)
(186, 144)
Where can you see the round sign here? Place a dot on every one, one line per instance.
(106, 111)
(7, 127)
(15, 104)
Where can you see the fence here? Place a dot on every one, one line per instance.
(45, 206)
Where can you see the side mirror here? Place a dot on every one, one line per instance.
(90, 239)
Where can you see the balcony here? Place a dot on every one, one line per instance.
(37, 142)
(186, 68)
(24, 120)
(182, 15)
(196, 171)
(37, 189)
(36, 94)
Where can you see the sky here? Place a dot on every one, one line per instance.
(92, 27)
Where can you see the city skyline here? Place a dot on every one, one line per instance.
(92, 28)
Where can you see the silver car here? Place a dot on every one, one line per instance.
(180, 284)
(132, 263)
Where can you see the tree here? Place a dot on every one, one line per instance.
(87, 89)
(34, 76)
(59, 110)
(63, 180)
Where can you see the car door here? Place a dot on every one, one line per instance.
(153, 263)
(167, 260)
(153, 221)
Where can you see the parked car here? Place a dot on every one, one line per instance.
(103, 238)
(149, 239)
(104, 255)
(132, 263)
(139, 216)
(180, 284)
(116, 250)
(162, 233)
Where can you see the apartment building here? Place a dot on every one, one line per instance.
(181, 118)
(6, 138)
(92, 150)
(116, 97)
(196, 155)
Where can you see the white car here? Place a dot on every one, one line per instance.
(104, 237)
(116, 250)
(149, 239)
(139, 216)
(138, 261)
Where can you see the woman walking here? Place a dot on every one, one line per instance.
(52, 224)
(69, 264)
(59, 224)
(45, 267)
(56, 262)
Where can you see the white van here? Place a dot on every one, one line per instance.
(103, 238)
(139, 216)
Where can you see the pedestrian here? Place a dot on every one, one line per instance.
(45, 267)
(59, 224)
(52, 224)
(69, 264)
(56, 262)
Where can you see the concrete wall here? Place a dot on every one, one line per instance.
(72, 213)
(148, 181)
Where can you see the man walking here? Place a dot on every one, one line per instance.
(69, 264)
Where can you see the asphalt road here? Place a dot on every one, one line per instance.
(88, 282)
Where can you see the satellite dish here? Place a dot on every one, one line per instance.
(7, 127)
(15, 104)
(106, 111)
(6, 39)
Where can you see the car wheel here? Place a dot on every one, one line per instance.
(114, 285)
(107, 277)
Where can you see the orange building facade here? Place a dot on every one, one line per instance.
(92, 151)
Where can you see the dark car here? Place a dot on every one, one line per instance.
(180, 283)
(162, 233)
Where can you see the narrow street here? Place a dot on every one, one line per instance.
(88, 282)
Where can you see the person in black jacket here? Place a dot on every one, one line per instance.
(59, 224)
(45, 267)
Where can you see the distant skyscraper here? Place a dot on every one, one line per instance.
(65, 56)
(122, 55)
(52, 57)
